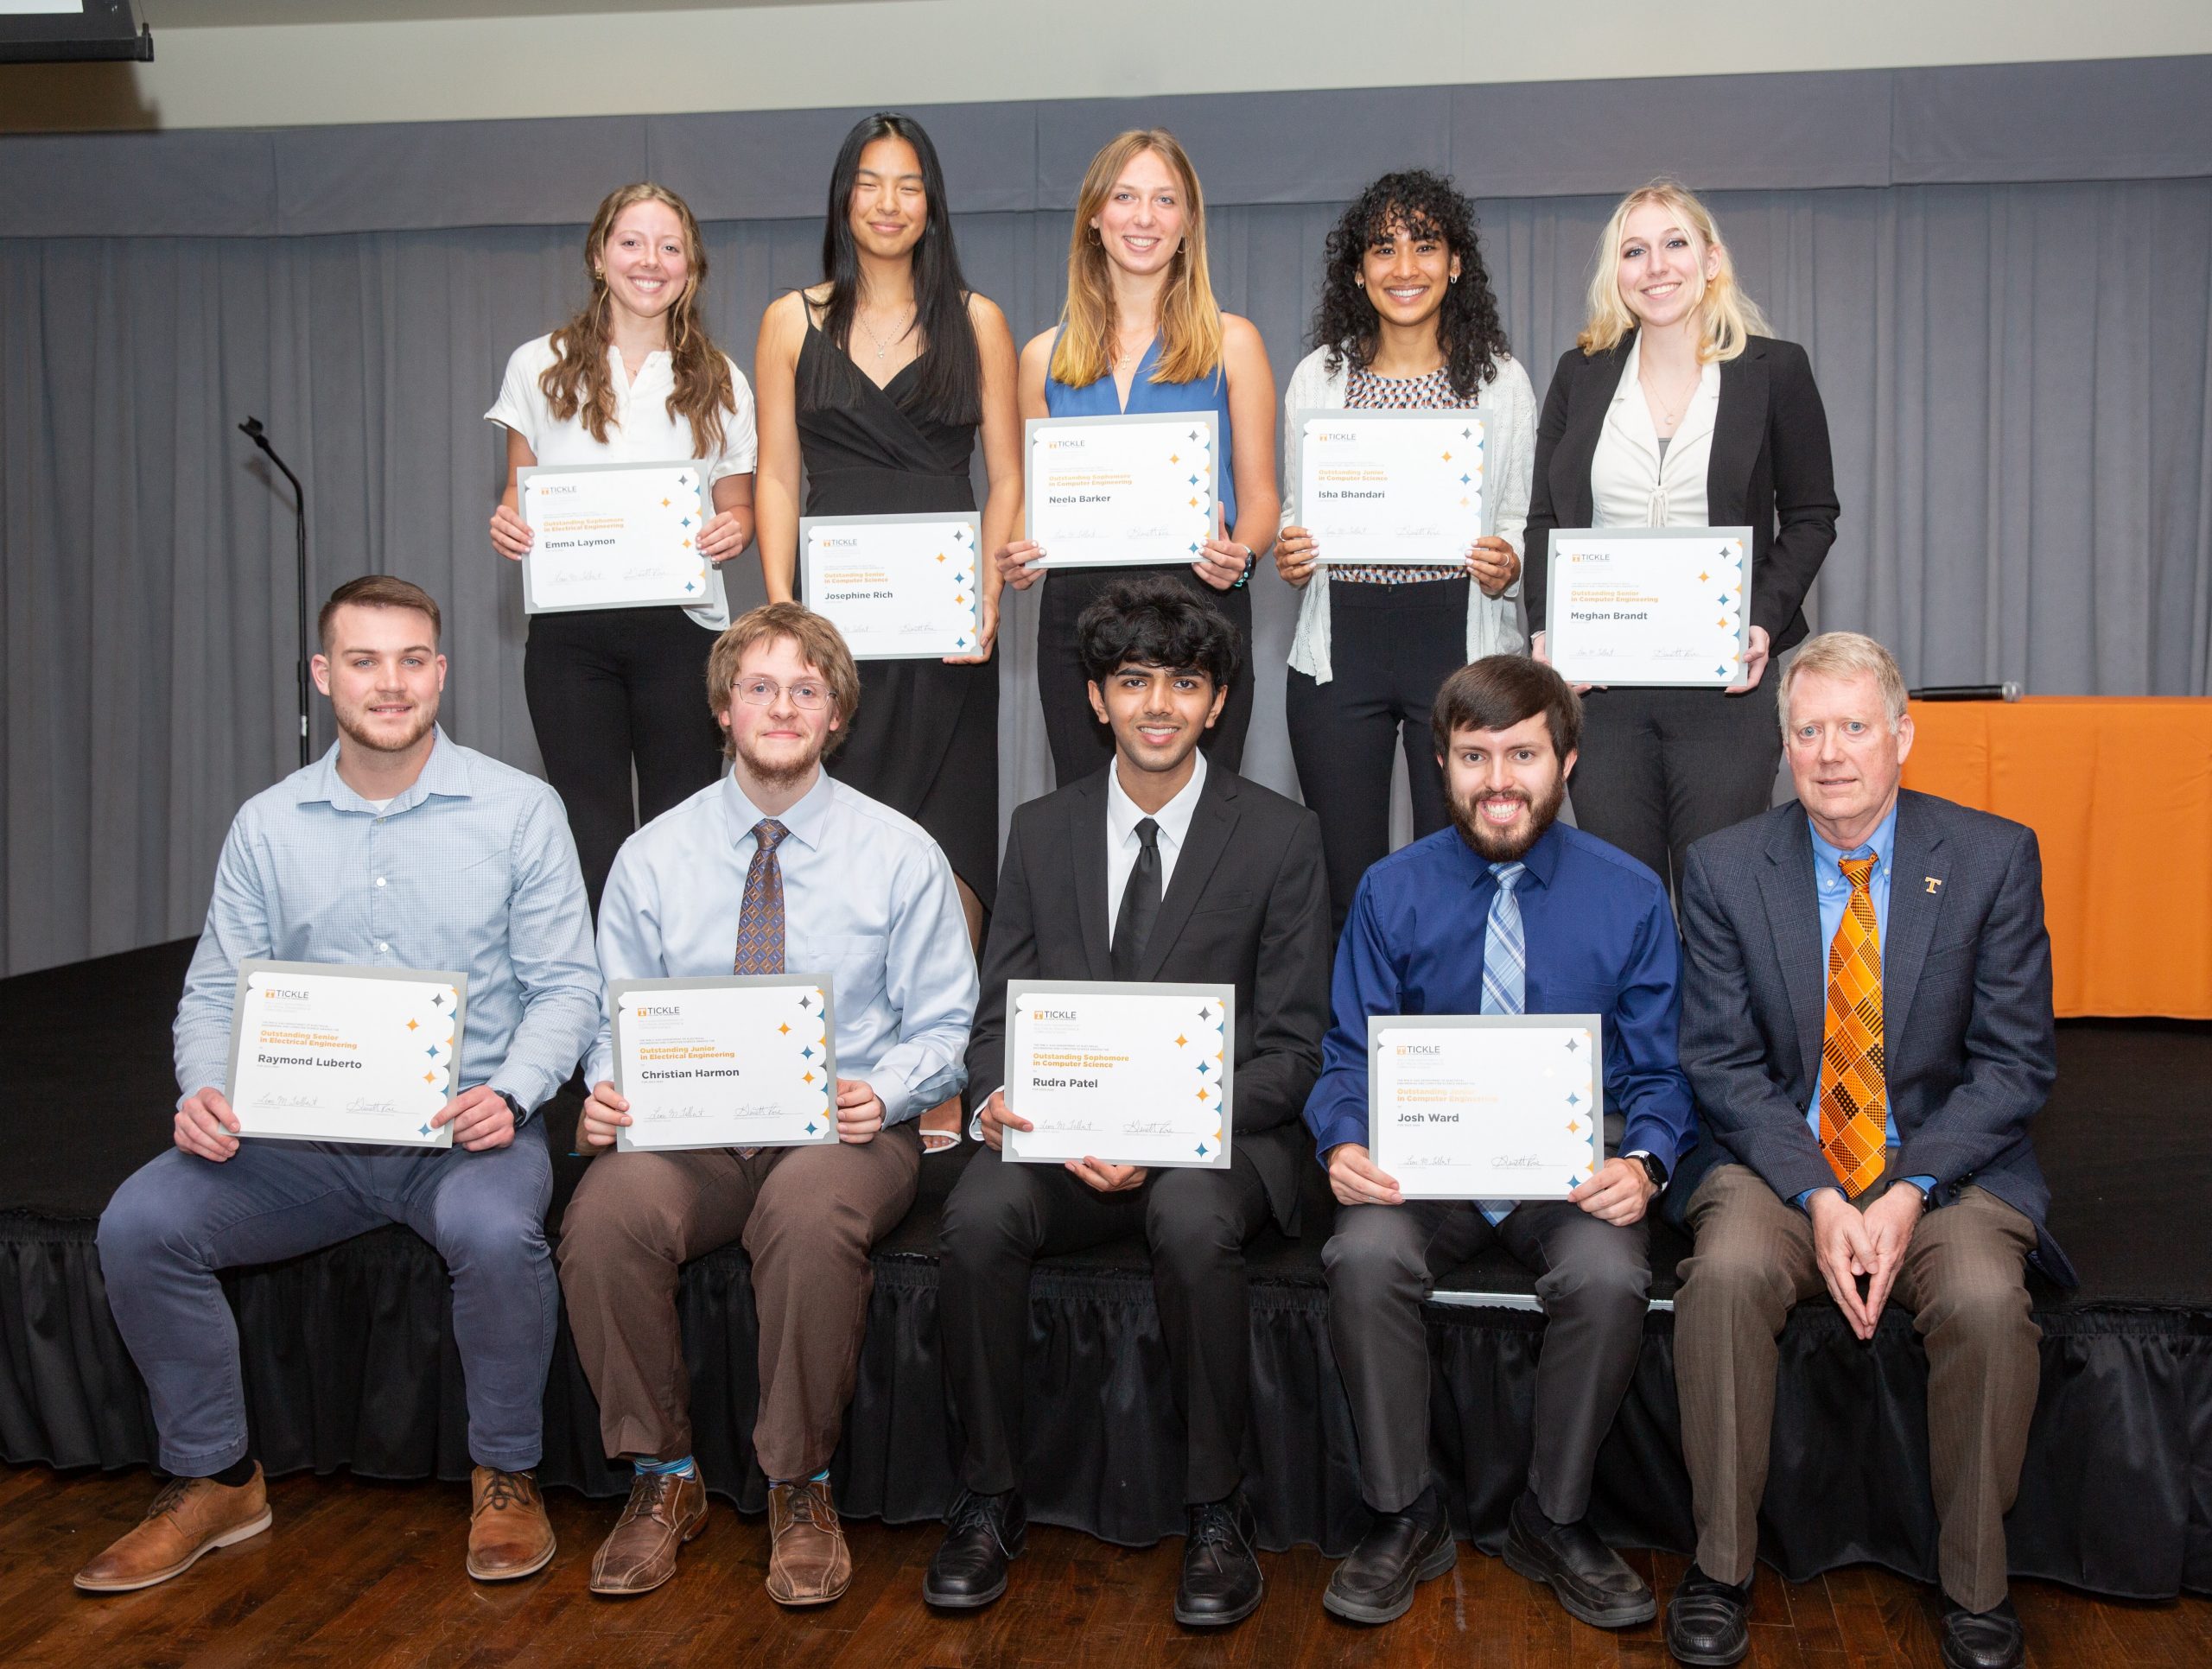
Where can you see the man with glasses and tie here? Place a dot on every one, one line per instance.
(776, 866)
(1506, 912)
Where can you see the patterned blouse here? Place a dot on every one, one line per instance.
(1365, 391)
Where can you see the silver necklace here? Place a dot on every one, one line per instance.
(882, 348)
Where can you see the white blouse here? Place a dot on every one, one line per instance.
(1631, 485)
(642, 433)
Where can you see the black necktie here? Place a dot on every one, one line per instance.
(1140, 904)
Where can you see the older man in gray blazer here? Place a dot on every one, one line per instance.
(1866, 1025)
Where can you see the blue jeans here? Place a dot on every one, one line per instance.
(180, 1218)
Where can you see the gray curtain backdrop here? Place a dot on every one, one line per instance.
(2017, 377)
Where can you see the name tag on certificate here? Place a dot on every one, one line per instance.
(899, 587)
(1631, 605)
(326, 1053)
(727, 1061)
(614, 536)
(1111, 490)
(1392, 486)
(1126, 1073)
(1485, 1106)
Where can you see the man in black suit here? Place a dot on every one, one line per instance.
(1159, 867)
(1867, 1025)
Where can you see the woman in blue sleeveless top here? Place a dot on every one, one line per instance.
(1143, 333)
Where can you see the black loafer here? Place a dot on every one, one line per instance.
(968, 1570)
(1592, 1581)
(1222, 1582)
(1375, 1582)
(1708, 1622)
(1984, 1640)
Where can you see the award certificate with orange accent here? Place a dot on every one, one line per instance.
(1123, 1072)
(729, 1061)
(1133, 488)
(1392, 486)
(1649, 605)
(323, 1053)
(899, 588)
(614, 536)
(1485, 1106)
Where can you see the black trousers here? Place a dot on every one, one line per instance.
(1389, 647)
(1661, 768)
(1003, 1217)
(608, 688)
(1080, 743)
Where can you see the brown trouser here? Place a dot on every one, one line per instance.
(809, 1216)
(1963, 1279)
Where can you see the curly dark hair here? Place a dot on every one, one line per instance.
(1426, 206)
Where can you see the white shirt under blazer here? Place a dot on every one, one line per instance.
(1634, 482)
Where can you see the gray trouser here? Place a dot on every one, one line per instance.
(1591, 1278)
(179, 1219)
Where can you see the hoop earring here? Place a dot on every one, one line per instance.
(1454, 279)
(1096, 242)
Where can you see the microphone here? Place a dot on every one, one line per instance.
(253, 431)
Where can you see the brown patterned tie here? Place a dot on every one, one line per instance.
(761, 917)
(1854, 1095)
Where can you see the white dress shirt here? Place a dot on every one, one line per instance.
(1630, 483)
(1123, 816)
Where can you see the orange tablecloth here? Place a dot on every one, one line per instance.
(2119, 791)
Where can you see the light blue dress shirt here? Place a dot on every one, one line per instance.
(868, 899)
(472, 870)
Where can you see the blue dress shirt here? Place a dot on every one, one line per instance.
(868, 899)
(472, 870)
(1600, 940)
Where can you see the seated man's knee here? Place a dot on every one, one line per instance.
(616, 1211)
(1370, 1256)
(491, 1234)
(140, 1226)
(1731, 1274)
(1985, 1315)
(1187, 1236)
(981, 1224)
(1616, 1285)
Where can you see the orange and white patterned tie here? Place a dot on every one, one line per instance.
(1854, 1095)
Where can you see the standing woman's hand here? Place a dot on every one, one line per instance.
(1755, 658)
(1222, 561)
(511, 535)
(1296, 556)
(1012, 559)
(1492, 564)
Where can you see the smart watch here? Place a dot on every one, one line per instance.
(1654, 1169)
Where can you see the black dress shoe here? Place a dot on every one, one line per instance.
(969, 1569)
(1221, 1583)
(1708, 1621)
(1984, 1640)
(1375, 1582)
(1592, 1581)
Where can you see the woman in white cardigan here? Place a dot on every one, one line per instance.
(1407, 321)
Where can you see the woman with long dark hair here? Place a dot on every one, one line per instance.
(1407, 321)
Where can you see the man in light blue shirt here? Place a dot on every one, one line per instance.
(776, 867)
(399, 848)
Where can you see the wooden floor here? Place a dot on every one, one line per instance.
(361, 1574)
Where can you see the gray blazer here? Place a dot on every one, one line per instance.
(1970, 1049)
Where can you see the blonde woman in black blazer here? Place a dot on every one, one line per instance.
(1677, 408)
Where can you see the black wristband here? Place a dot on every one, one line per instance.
(1654, 1169)
(522, 1116)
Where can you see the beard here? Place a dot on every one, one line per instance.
(350, 726)
(790, 775)
(1505, 845)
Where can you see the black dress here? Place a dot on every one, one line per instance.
(925, 740)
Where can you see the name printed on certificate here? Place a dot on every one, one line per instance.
(1136, 488)
(329, 1053)
(899, 587)
(614, 536)
(1121, 1072)
(1649, 605)
(1485, 1106)
(1391, 486)
(733, 1061)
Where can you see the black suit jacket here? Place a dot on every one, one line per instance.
(1247, 905)
(1969, 1045)
(1770, 471)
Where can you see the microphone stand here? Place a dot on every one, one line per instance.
(252, 430)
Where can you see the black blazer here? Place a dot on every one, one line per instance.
(1969, 1046)
(1769, 470)
(1247, 905)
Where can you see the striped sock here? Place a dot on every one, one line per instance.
(649, 1468)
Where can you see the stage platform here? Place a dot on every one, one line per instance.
(350, 1361)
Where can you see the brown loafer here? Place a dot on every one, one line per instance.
(191, 1516)
(664, 1511)
(509, 1535)
(808, 1564)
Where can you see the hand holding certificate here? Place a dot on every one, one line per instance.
(1392, 486)
(735, 1061)
(1125, 1073)
(899, 587)
(614, 536)
(1135, 488)
(1649, 605)
(1466, 1107)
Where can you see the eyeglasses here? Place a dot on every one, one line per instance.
(807, 695)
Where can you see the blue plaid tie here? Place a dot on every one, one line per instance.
(1505, 974)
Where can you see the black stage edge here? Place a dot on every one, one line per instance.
(350, 1361)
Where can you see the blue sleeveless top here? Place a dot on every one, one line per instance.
(1101, 399)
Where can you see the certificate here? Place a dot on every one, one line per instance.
(1649, 604)
(899, 587)
(322, 1053)
(1485, 1106)
(614, 536)
(727, 1061)
(1122, 1072)
(1136, 488)
(1392, 486)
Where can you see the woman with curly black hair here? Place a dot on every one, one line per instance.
(1406, 320)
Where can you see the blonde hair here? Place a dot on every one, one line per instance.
(1729, 319)
(1190, 319)
(1844, 655)
(821, 645)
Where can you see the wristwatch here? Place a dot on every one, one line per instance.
(1654, 1169)
(522, 1115)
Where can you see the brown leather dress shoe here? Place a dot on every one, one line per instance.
(191, 1516)
(509, 1535)
(664, 1512)
(808, 1564)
